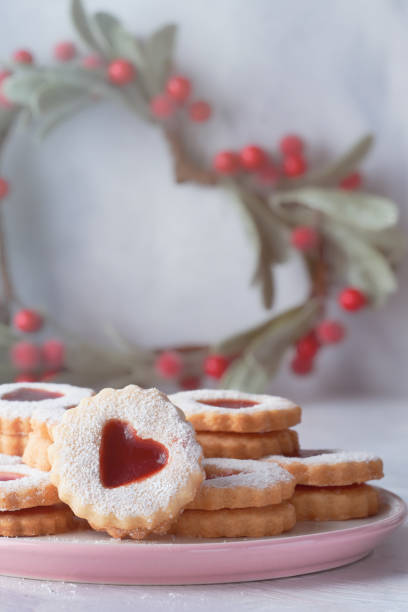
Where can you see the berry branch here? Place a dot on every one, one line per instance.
(347, 238)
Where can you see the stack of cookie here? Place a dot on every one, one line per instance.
(18, 403)
(331, 484)
(29, 503)
(239, 425)
(239, 498)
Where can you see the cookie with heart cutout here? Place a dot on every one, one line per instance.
(18, 401)
(335, 503)
(331, 467)
(127, 461)
(236, 483)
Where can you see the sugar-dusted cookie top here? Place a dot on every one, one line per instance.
(226, 410)
(331, 467)
(126, 460)
(19, 401)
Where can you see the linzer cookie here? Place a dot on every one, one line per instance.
(237, 523)
(41, 520)
(18, 401)
(127, 461)
(24, 487)
(248, 445)
(232, 483)
(335, 503)
(331, 467)
(233, 411)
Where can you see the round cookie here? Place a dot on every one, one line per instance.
(127, 461)
(236, 483)
(331, 467)
(237, 523)
(335, 503)
(248, 445)
(18, 401)
(234, 411)
(24, 487)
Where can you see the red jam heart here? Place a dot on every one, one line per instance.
(4, 476)
(25, 394)
(229, 403)
(125, 458)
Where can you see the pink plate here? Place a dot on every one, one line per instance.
(92, 557)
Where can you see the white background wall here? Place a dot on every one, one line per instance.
(99, 234)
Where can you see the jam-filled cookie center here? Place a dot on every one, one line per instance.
(229, 403)
(124, 457)
(5, 476)
(26, 394)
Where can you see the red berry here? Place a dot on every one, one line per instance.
(294, 165)
(91, 62)
(178, 88)
(162, 106)
(291, 145)
(168, 364)
(25, 355)
(268, 175)
(252, 157)
(226, 162)
(4, 188)
(121, 72)
(301, 366)
(27, 320)
(330, 332)
(64, 51)
(215, 365)
(53, 353)
(22, 56)
(304, 238)
(352, 181)
(190, 382)
(199, 111)
(307, 347)
(352, 299)
(25, 377)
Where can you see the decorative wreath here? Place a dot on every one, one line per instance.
(347, 238)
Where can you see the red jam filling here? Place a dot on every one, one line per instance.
(4, 476)
(25, 394)
(125, 458)
(229, 403)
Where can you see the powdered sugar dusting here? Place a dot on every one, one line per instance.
(77, 443)
(189, 402)
(326, 456)
(9, 459)
(32, 479)
(250, 474)
(47, 409)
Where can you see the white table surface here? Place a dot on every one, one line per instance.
(377, 583)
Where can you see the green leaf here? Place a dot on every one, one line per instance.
(264, 353)
(83, 27)
(22, 86)
(104, 25)
(51, 97)
(158, 53)
(360, 210)
(363, 265)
